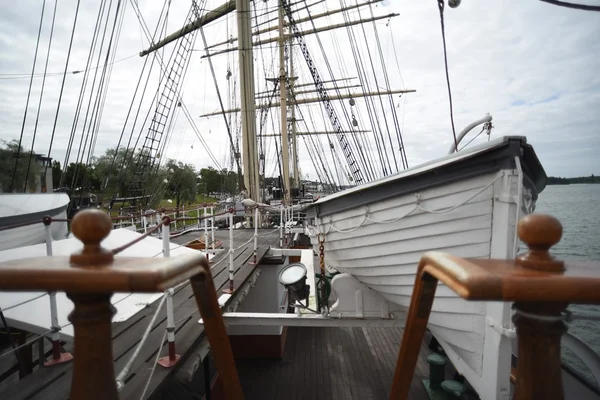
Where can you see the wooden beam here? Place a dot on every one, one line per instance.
(319, 133)
(200, 22)
(305, 19)
(263, 97)
(309, 32)
(318, 99)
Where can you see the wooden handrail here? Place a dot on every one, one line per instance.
(541, 287)
(90, 277)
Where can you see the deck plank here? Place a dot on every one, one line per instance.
(242, 271)
(342, 365)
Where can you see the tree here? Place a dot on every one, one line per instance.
(27, 168)
(115, 172)
(56, 174)
(181, 182)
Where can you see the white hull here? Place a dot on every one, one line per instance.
(380, 244)
(20, 208)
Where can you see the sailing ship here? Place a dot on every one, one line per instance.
(467, 203)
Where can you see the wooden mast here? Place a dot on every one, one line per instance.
(293, 121)
(283, 107)
(246, 65)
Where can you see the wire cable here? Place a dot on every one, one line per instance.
(575, 6)
(37, 118)
(62, 87)
(14, 174)
(441, 8)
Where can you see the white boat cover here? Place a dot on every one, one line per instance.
(17, 204)
(34, 316)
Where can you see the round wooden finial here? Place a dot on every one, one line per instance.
(47, 220)
(91, 227)
(540, 232)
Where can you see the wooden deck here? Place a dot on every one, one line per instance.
(332, 364)
(54, 382)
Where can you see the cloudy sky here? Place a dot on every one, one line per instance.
(535, 67)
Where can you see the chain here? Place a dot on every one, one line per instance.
(321, 239)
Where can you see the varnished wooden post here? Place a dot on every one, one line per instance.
(414, 331)
(540, 287)
(208, 304)
(539, 326)
(93, 372)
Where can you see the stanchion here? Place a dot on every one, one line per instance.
(281, 227)
(173, 357)
(166, 222)
(231, 287)
(212, 228)
(57, 356)
(254, 261)
(205, 235)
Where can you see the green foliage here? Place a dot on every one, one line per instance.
(213, 181)
(56, 174)
(580, 179)
(181, 182)
(79, 175)
(112, 173)
(116, 169)
(8, 156)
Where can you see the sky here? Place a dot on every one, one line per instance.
(534, 67)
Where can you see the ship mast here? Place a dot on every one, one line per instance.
(293, 121)
(248, 95)
(246, 63)
(283, 103)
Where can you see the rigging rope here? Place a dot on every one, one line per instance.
(441, 8)
(212, 70)
(14, 174)
(37, 118)
(82, 146)
(62, 86)
(575, 6)
(81, 92)
(103, 87)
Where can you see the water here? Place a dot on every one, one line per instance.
(578, 209)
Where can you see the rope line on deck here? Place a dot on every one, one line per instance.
(33, 340)
(136, 240)
(268, 233)
(51, 330)
(125, 371)
(244, 244)
(313, 231)
(2, 309)
(162, 342)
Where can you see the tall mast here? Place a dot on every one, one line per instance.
(294, 143)
(248, 108)
(283, 102)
